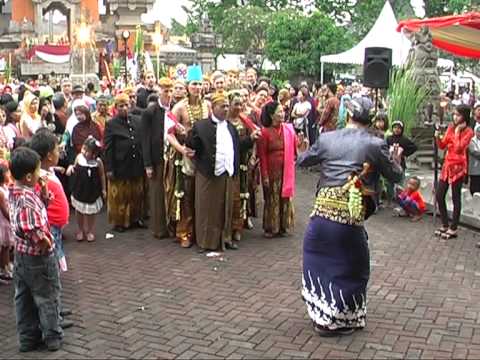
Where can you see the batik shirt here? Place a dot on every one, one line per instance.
(28, 217)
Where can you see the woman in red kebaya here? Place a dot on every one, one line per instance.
(455, 166)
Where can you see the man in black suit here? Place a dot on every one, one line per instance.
(217, 148)
(153, 140)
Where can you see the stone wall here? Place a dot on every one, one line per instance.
(33, 69)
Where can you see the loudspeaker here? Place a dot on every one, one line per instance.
(376, 67)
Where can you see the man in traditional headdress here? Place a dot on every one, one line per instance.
(186, 112)
(101, 116)
(217, 158)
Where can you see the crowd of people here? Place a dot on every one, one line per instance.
(192, 160)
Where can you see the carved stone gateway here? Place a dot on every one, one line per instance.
(424, 57)
(26, 20)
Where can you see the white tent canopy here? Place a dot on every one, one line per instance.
(382, 34)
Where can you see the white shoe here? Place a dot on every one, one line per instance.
(249, 223)
(399, 212)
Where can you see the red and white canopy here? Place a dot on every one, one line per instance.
(458, 34)
(57, 54)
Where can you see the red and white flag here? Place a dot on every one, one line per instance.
(56, 54)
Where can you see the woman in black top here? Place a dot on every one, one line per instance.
(124, 166)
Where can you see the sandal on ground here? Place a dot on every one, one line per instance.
(119, 229)
(416, 218)
(6, 276)
(79, 236)
(90, 237)
(325, 332)
(449, 234)
(268, 235)
(441, 231)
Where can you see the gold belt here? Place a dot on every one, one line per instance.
(332, 203)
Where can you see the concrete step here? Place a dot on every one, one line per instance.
(470, 204)
(421, 152)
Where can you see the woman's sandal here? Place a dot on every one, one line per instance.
(440, 231)
(79, 236)
(449, 234)
(268, 235)
(90, 237)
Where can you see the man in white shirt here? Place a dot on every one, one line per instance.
(217, 147)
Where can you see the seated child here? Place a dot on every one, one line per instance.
(411, 201)
(37, 285)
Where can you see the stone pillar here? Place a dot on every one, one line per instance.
(38, 19)
(204, 42)
(424, 58)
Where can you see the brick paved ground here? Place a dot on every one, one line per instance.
(137, 297)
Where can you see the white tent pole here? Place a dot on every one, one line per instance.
(321, 72)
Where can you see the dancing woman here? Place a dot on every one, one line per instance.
(336, 263)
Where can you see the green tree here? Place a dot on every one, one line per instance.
(434, 8)
(297, 41)
(177, 29)
(360, 16)
(243, 29)
(241, 24)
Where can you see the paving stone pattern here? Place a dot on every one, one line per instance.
(137, 297)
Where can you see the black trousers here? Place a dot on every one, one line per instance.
(474, 184)
(442, 189)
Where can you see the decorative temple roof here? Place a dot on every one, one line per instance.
(144, 5)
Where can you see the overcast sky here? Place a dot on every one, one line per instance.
(165, 10)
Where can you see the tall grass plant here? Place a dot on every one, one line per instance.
(406, 98)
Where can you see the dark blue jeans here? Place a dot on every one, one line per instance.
(37, 292)
(59, 253)
(57, 237)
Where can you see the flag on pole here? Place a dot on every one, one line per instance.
(139, 52)
(138, 40)
(148, 62)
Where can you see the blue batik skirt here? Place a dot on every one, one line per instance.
(336, 269)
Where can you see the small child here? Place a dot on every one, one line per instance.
(6, 235)
(411, 200)
(402, 146)
(380, 124)
(89, 187)
(45, 143)
(37, 285)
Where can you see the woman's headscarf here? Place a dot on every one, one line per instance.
(72, 120)
(27, 101)
(84, 129)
